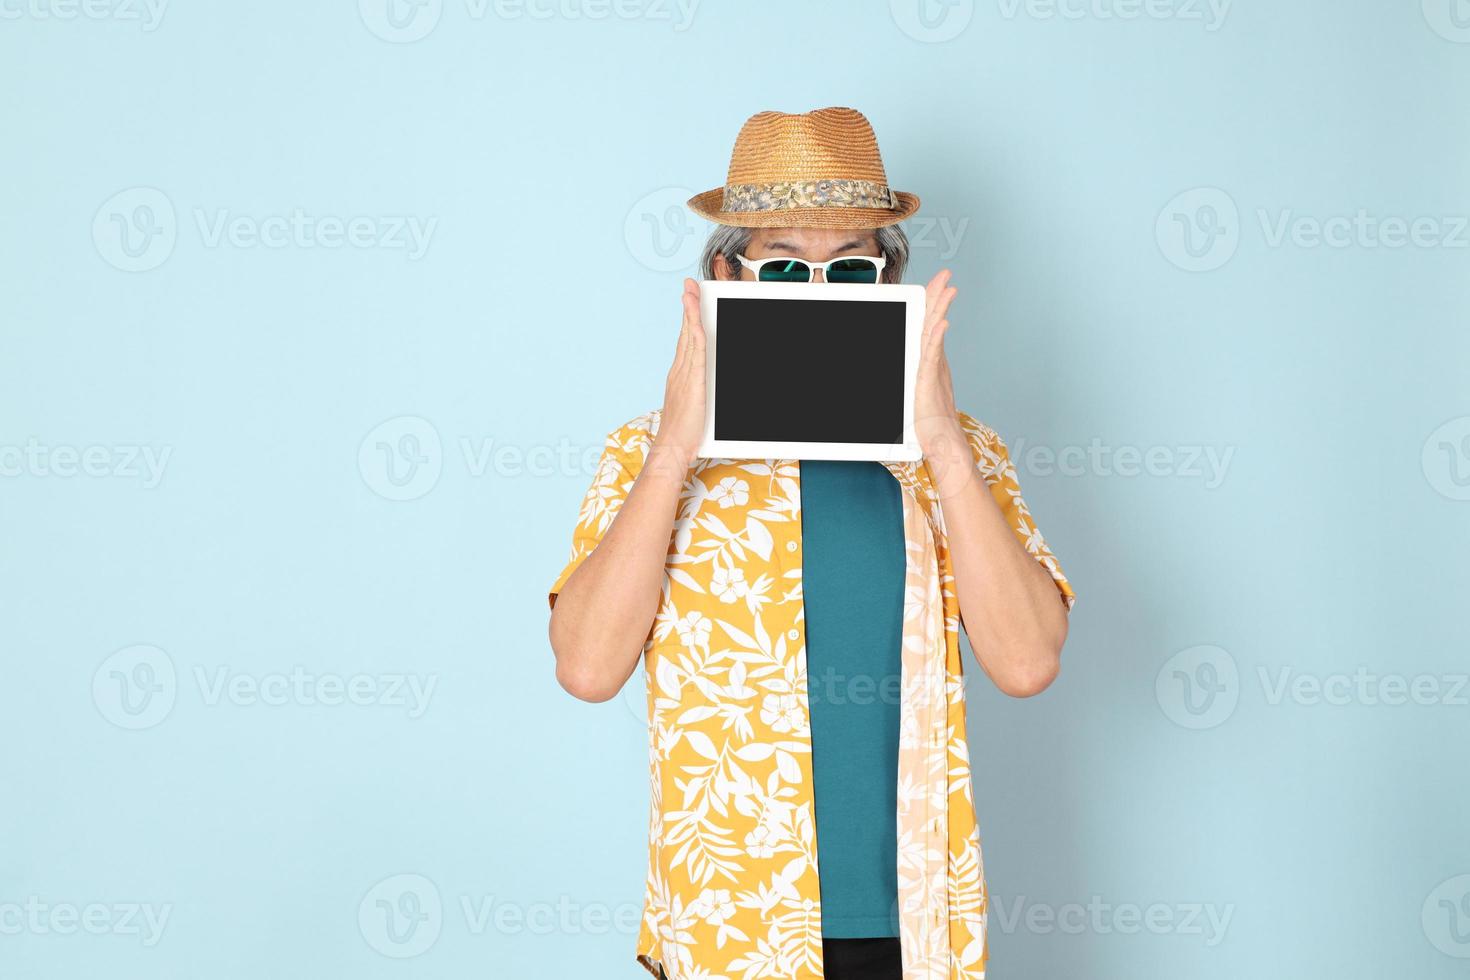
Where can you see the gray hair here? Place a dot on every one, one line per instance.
(729, 241)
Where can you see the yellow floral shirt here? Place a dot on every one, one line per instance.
(732, 890)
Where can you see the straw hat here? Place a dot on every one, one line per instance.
(818, 169)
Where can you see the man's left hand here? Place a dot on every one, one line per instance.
(936, 422)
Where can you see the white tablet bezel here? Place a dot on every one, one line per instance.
(710, 291)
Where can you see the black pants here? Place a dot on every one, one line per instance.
(860, 959)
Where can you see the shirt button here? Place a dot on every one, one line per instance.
(791, 546)
(792, 634)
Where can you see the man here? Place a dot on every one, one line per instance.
(811, 812)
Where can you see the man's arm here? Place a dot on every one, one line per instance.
(603, 612)
(1009, 604)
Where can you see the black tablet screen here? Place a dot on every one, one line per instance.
(798, 370)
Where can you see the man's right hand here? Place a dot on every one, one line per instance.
(605, 610)
(681, 424)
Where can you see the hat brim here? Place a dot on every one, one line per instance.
(708, 205)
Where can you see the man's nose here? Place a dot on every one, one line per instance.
(818, 276)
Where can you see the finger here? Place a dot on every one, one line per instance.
(693, 343)
(939, 308)
(935, 287)
(696, 317)
(946, 298)
(940, 280)
(931, 296)
(681, 343)
(936, 304)
(935, 313)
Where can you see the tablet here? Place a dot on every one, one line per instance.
(800, 370)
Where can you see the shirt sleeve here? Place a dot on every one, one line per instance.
(616, 471)
(994, 464)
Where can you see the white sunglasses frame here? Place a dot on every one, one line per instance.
(754, 265)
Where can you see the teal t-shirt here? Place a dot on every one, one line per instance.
(853, 588)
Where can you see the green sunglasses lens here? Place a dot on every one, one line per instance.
(853, 270)
(790, 271)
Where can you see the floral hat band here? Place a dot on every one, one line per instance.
(818, 169)
(838, 193)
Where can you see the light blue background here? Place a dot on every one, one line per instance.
(543, 314)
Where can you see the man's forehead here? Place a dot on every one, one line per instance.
(811, 238)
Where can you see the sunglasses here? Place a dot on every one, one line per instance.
(858, 268)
